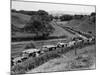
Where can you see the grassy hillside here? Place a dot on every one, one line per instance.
(19, 20)
(85, 59)
(84, 25)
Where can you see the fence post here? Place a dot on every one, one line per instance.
(75, 51)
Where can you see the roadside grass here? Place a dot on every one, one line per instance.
(18, 48)
(33, 62)
(84, 59)
(80, 25)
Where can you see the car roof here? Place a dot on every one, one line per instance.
(17, 58)
(61, 43)
(30, 50)
(48, 46)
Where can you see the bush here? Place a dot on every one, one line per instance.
(78, 16)
(40, 25)
(29, 45)
(66, 17)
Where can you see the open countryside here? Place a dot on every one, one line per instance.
(44, 42)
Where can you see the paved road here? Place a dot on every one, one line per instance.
(72, 31)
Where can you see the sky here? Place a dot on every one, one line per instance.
(52, 8)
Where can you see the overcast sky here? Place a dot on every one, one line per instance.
(19, 5)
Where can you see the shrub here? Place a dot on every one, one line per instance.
(66, 17)
(78, 16)
(29, 45)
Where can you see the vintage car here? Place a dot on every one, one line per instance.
(48, 47)
(17, 60)
(71, 43)
(30, 52)
(60, 44)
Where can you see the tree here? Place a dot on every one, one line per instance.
(93, 14)
(44, 15)
(39, 24)
(93, 18)
(34, 24)
(14, 10)
(78, 16)
(28, 12)
(66, 17)
(42, 12)
(29, 45)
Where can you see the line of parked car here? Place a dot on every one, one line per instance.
(75, 42)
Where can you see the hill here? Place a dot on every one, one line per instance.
(19, 20)
(24, 25)
(84, 25)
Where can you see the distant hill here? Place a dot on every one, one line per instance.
(84, 25)
(59, 13)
